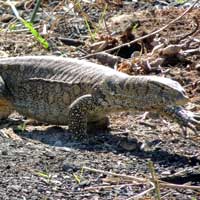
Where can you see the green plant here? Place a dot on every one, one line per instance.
(21, 127)
(12, 27)
(135, 26)
(37, 5)
(79, 177)
(102, 17)
(44, 175)
(35, 33)
(154, 180)
(87, 21)
(181, 1)
(30, 27)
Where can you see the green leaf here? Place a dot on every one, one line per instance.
(181, 1)
(35, 33)
(12, 27)
(22, 127)
(77, 178)
(42, 174)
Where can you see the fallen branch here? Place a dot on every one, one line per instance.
(100, 187)
(162, 184)
(178, 186)
(155, 180)
(138, 196)
(182, 37)
(190, 52)
(141, 180)
(107, 59)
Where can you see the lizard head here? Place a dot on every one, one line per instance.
(167, 91)
(143, 93)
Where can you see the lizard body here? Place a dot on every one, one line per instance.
(67, 91)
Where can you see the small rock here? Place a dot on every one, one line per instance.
(4, 152)
(129, 145)
(70, 167)
(17, 188)
(34, 191)
(58, 143)
(24, 190)
(34, 197)
(59, 195)
(197, 67)
(20, 4)
(8, 167)
(166, 173)
(3, 53)
(66, 149)
(50, 154)
(5, 18)
(84, 183)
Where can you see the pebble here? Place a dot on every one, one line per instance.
(17, 188)
(197, 67)
(70, 167)
(58, 143)
(34, 197)
(166, 173)
(129, 145)
(4, 152)
(5, 18)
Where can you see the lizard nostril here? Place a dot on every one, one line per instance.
(184, 93)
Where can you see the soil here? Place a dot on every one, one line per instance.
(41, 161)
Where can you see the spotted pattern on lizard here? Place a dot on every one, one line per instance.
(67, 91)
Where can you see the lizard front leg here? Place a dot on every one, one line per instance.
(183, 117)
(79, 111)
(6, 107)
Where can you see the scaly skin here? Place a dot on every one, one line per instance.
(72, 92)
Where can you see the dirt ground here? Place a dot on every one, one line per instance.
(41, 161)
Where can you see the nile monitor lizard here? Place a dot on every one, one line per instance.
(66, 91)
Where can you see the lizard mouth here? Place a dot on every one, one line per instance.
(182, 100)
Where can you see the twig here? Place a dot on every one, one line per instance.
(141, 180)
(37, 5)
(176, 186)
(71, 42)
(138, 196)
(170, 192)
(147, 124)
(14, 9)
(192, 32)
(99, 187)
(191, 51)
(155, 180)
(107, 59)
(194, 39)
(21, 30)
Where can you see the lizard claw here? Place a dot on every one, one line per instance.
(185, 118)
(196, 116)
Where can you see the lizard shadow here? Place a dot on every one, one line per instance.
(106, 142)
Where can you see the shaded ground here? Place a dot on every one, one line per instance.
(40, 161)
